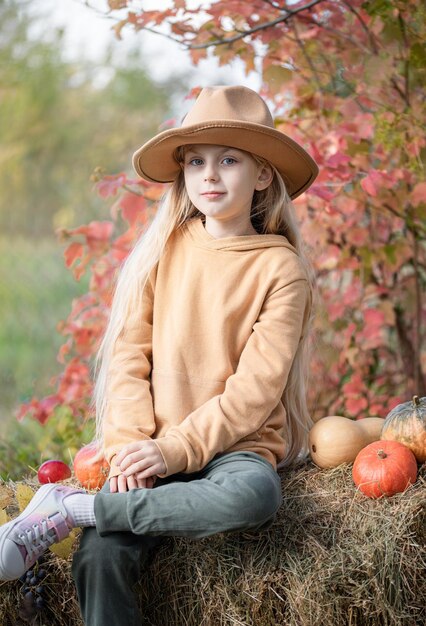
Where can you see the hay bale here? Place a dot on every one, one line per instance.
(331, 557)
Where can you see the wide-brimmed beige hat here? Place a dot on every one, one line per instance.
(234, 116)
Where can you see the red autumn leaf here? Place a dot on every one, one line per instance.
(356, 405)
(97, 234)
(154, 192)
(372, 183)
(352, 295)
(358, 236)
(338, 160)
(109, 185)
(122, 245)
(193, 93)
(40, 410)
(335, 311)
(374, 317)
(371, 335)
(64, 350)
(74, 381)
(355, 386)
(74, 251)
(170, 123)
(133, 208)
(47, 406)
(117, 4)
(418, 195)
(140, 182)
(79, 271)
(330, 257)
(321, 191)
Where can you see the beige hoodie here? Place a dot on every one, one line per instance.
(202, 366)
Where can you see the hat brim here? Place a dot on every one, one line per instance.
(154, 160)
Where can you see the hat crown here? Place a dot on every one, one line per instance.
(236, 103)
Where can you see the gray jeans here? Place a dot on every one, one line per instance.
(235, 491)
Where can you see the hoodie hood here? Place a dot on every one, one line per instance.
(194, 228)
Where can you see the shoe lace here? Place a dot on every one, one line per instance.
(37, 538)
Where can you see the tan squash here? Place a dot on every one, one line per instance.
(334, 439)
(372, 427)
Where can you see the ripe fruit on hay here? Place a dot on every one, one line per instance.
(406, 423)
(384, 468)
(53, 471)
(334, 439)
(90, 467)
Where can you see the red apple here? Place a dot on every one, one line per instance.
(53, 472)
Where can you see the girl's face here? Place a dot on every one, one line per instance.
(220, 181)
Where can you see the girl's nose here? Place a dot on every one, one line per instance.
(210, 173)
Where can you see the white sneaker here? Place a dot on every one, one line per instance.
(44, 521)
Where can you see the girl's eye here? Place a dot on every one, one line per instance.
(195, 161)
(229, 160)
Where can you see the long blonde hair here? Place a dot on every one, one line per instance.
(272, 212)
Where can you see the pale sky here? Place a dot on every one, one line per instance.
(88, 33)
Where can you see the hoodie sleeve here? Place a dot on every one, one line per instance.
(251, 393)
(129, 412)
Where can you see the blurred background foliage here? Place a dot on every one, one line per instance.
(347, 81)
(59, 120)
(57, 124)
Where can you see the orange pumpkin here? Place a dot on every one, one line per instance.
(406, 423)
(384, 468)
(90, 467)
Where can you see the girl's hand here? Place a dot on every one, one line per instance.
(141, 459)
(122, 483)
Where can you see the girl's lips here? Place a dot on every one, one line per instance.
(212, 194)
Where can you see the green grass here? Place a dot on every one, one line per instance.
(36, 290)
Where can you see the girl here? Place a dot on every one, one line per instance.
(201, 392)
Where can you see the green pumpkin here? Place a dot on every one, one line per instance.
(406, 423)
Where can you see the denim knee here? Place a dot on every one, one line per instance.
(265, 497)
(256, 496)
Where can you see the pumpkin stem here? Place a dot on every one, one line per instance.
(416, 400)
(381, 454)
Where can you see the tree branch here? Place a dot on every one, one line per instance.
(353, 41)
(392, 210)
(408, 220)
(408, 354)
(399, 90)
(273, 4)
(306, 56)
(418, 338)
(406, 61)
(250, 31)
(364, 26)
(241, 34)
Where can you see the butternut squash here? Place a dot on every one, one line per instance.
(372, 427)
(334, 439)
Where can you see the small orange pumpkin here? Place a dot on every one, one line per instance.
(384, 468)
(406, 423)
(90, 467)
